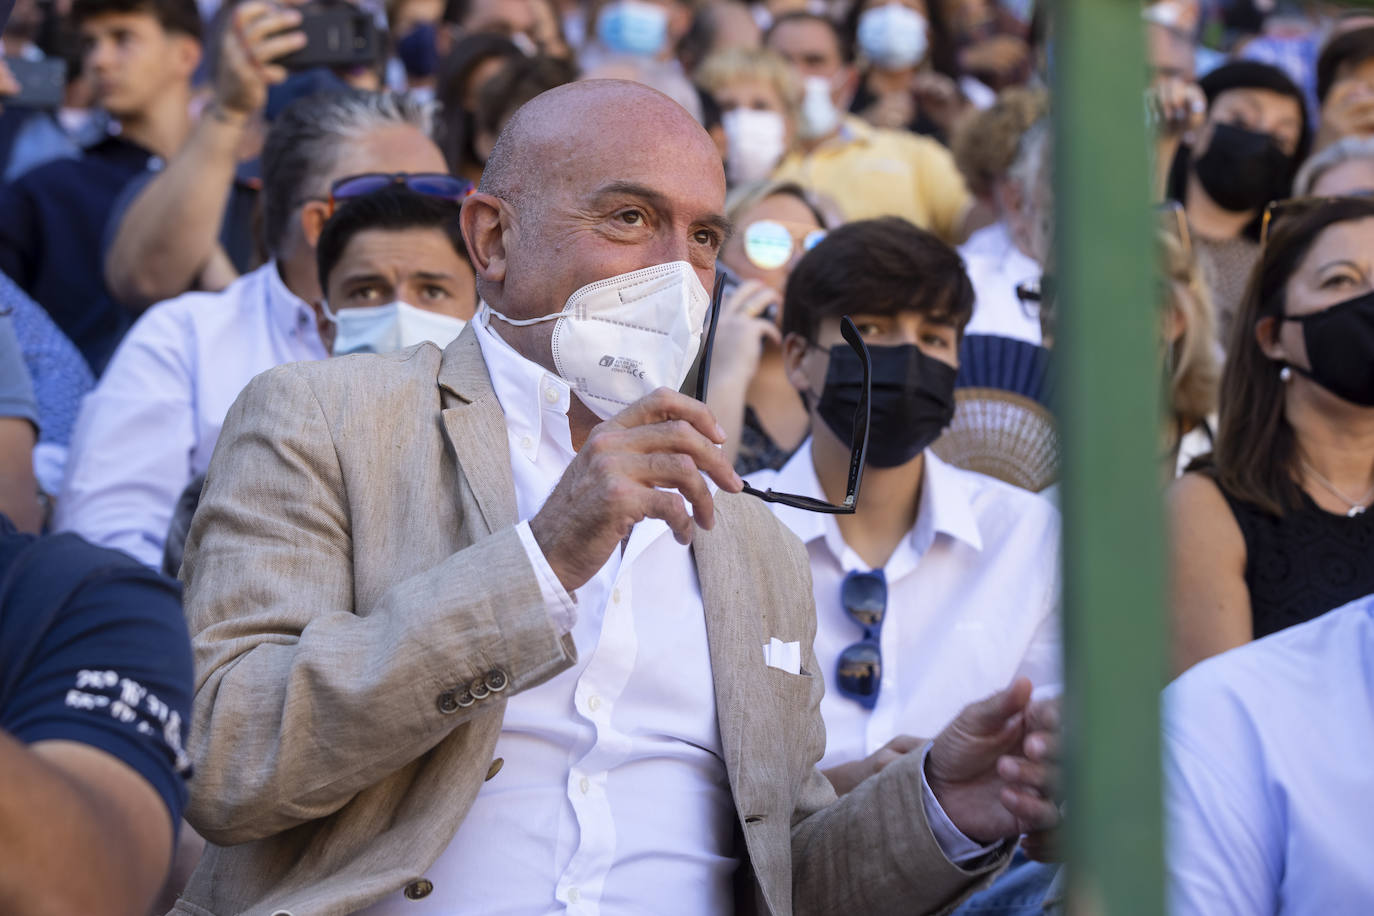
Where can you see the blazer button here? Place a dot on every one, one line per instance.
(495, 768)
(448, 703)
(497, 680)
(464, 698)
(479, 689)
(418, 890)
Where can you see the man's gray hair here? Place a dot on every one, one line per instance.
(305, 143)
(1347, 149)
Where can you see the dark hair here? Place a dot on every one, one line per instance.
(456, 128)
(307, 140)
(876, 267)
(392, 208)
(1348, 50)
(520, 80)
(180, 16)
(1256, 450)
(944, 49)
(846, 48)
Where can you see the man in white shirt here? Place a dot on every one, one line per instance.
(943, 586)
(1267, 752)
(480, 671)
(151, 424)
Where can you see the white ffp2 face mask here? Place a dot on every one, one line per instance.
(618, 339)
(893, 36)
(755, 141)
(383, 328)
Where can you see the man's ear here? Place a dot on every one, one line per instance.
(794, 350)
(484, 234)
(314, 214)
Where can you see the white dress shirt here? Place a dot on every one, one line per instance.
(972, 602)
(1269, 772)
(613, 797)
(995, 267)
(151, 423)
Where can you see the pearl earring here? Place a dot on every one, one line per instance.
(1285, 374)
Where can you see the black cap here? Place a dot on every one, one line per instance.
(1250, 74)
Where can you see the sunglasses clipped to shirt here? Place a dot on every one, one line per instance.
(859, 670)
(430, 184)
(858, 453)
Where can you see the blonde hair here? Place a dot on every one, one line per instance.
(1196, 376)
(985, 142)
(734, 65)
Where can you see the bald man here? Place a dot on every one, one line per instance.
(493, 631)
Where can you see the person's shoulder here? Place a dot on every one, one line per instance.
(1196, 498)
(375, 384)
(1004, 501)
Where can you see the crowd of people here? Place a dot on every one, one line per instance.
(607, 450)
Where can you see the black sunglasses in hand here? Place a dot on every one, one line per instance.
(858, 452)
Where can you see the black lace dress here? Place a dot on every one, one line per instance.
(1304, 564)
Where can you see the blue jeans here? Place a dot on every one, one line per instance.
(1026, 888)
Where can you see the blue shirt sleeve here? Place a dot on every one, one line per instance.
(16, 391)
(94, 649)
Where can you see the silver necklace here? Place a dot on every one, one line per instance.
(1357, 506)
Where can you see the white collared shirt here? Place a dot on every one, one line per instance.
(995, 267)
(151, 423)
(1268, 781)
(973, 596)
(613, 797)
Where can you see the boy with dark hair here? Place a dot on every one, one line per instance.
(395, 272)
(943, 586)
(140, 55)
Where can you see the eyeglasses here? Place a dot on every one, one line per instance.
(858, 452)
(430, 184)
(770, 243)
(1279, 210)
(859, 671)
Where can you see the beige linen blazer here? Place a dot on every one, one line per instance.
(361, 607)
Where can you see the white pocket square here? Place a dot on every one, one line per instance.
(785, 656)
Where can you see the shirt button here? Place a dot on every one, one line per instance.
(615, 595)
(594, 704)
(526, 443)
(551, 395)
(585, 785)
(574, 895)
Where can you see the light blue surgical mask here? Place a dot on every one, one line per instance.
(633, 27)
(893, 37)
(383, 328)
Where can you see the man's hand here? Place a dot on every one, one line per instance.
(847, 776)
(995, 768)
(259, 33)
(626, 472)
(1175, 106)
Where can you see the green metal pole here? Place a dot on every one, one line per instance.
(1107, 349)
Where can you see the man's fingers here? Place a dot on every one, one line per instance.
(991, 715)
(666, 404)
(680, 437)
(669, 506)
(904, 744)
(679, 472)
(1041, 778)
(1032, 812)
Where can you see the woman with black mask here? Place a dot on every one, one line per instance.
(1245, 154)
(1274, 529)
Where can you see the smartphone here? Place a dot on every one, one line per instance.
(42, 83)
(337, 35)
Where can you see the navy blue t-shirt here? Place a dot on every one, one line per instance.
(51, 237)
(94, 649)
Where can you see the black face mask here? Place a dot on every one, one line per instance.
(1243, 170)
(912, 400)
(1340, 348)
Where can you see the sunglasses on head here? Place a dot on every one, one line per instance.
(858, 453)
(1280, 210)
(859, 671)
(770, 244)
(430, 184)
